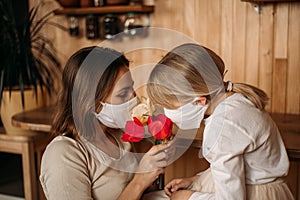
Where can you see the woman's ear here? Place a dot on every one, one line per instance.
(200, 101)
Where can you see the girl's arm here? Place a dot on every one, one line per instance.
(179, 184)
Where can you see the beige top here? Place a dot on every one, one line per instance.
(70, 171)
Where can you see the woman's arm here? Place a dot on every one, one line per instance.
(151, 165)
(63, 171)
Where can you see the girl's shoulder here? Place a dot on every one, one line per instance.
(237, 100)
(237, 106)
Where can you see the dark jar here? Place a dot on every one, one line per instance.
(73, 26)
(134, 25)
(92, 26)
(111, 26)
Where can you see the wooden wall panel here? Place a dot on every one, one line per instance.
(201, 22)
(239, 41)
(281, 30)
(226, 36)
(279, 86)
(252, 44)
(213, 25)
(266, 38)
(189, 20)
(293, 74)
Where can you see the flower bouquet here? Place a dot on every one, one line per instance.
(159, 127)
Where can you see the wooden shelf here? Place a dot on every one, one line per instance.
(105, 10)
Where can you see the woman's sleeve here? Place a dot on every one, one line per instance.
(64, 173)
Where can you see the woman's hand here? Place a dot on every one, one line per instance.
(152, 164)
(178, 184)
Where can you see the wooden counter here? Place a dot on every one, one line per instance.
(289, 125)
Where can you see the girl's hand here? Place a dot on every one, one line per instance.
(182, 195)
(177, 184)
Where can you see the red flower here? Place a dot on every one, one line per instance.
(134, 131)
(160, 127)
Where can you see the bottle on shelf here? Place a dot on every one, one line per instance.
(73, 26)
(111, 26)
(99, 3)
(92, 26)
(134, 25)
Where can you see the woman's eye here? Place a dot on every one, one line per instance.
(122, 96)
(126, 94)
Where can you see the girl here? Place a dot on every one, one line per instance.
(242, 143)
(87, 159)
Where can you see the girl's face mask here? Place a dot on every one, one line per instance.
(116, 115)
(188, 116)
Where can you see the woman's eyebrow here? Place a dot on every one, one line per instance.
(127, 87)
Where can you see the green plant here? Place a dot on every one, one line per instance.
(28, 58)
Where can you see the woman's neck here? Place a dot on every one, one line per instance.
(108, 144)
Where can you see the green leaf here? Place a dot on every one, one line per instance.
(28, 58)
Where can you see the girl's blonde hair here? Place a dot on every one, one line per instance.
(191, 70)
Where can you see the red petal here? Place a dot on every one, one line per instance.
(155, 128)
(137, 121)
(149, 120)
(160, 127)
(128, 138)
(125, 138)
(134, 131)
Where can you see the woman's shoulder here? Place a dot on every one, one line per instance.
(64, 147)
(63, 142)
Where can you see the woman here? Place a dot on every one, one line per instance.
(241, 142)
(87, 159)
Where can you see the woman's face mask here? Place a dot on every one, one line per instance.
(116, 115)
(188, 116)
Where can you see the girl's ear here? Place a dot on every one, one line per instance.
(200, 101)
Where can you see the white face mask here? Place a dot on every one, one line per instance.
(188, 116)
(116, 116)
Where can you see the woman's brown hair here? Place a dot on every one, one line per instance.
(87, 79)
(191, 70)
